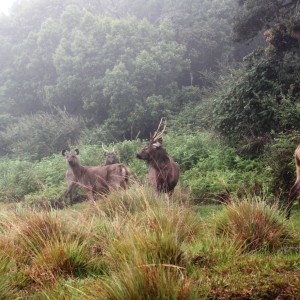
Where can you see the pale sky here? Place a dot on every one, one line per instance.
(5, 6)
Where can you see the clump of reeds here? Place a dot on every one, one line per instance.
(6, 289)
(138, 198)
(43, 248)
(147, 256)
(255, 225)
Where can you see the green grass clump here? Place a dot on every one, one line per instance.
(44, 248)
(134, 245)
(149, 282)
(255, 225)
(6, 289)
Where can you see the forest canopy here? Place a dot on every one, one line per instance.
(225, 75)
(118, 65)
(112, 69)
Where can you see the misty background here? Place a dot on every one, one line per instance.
(225, 75)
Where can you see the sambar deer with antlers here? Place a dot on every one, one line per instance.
(163, 171)
(295, 190)
(110, 156)
(93, 179)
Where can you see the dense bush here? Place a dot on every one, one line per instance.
(40, 135)
(208, 168)
(17, 179)
(259, 101)
(279, 157)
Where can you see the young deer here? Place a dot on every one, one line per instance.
(93, 179)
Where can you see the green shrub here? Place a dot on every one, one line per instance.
(21, 178)
(279, 156)
(208, 168)
(17, 178)
(259, 101)
(215, 168)
(127, 151)
(42, 134)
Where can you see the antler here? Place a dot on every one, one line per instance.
(160, 130)
(105, 150)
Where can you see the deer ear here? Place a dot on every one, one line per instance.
(160, 140)
(76, 151)
(64, 152)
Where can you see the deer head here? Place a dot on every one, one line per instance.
(111, 156)
(154, 146)
(71, 158)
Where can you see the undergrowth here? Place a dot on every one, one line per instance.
(134, 245)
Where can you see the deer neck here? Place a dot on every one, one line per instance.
(78, 170)
(159, 163)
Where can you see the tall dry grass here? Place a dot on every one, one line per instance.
(134, 245)
(255, 225)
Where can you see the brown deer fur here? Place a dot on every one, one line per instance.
(100, 179)
(295, 190)
(110, 158)
(163, 172)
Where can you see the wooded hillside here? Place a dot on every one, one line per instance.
(93, 72)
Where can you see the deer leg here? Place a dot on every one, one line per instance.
(69, 191)
(294, 193)
(167, 195)
(90, 196)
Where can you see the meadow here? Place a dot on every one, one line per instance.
(132, 245)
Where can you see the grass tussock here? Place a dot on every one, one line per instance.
(43, 248)
(255, 225)
(133, 245)
(138, 198)
(149, 282)
(6, 290)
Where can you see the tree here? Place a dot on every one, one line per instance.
(40, 135)
(253, 15)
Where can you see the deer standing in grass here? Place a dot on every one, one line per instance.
(295, 190)
(110, 158)
(93, 179)
(163, 171)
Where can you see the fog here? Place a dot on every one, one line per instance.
(118, 66)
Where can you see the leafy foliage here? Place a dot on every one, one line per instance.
(17, 179)
(40, 135)
(279, 158)
(208, 168)
(212, 169)
(256, 106)
(254, 14)
(118, 65)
